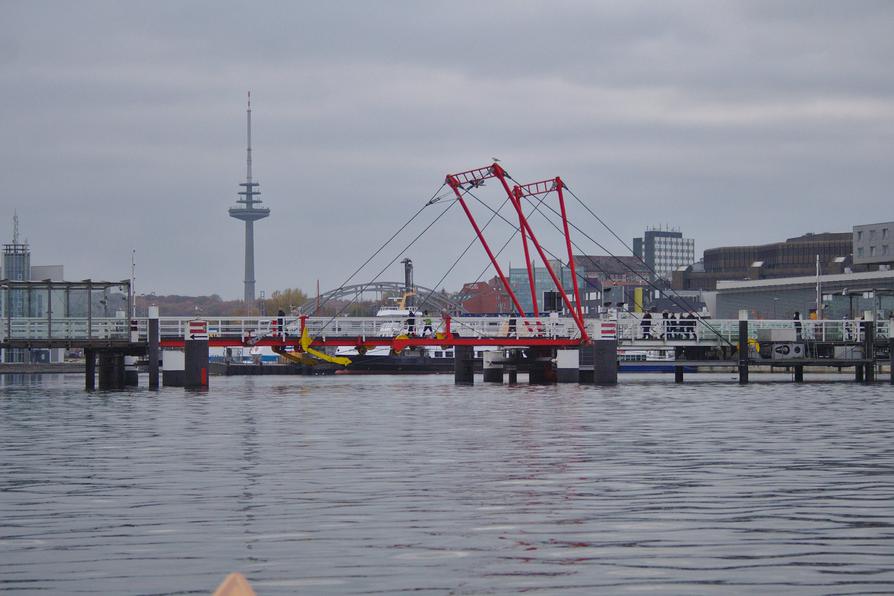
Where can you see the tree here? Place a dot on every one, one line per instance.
(285, 300)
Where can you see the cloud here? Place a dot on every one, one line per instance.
(124, 126)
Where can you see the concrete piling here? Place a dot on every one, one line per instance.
(891, 358)
(568, 366)
(196, 363)
(493, 367)
(541, 369)
(799, 374)
(111, 370)
(154, 355)
(743, 351)
(869, 347)
(585, 365)
(89, 369)
(605, 362)
(463, 373)
(678, 374)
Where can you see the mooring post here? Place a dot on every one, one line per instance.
(799, 373)
(89, 369)
(492, 366)
(743, 347)
(568, 365)
(153, 338)
(463, 373)
(605, 362)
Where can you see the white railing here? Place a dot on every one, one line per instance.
(629, 328)
(41, 328)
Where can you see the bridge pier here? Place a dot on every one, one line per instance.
(568, 366)
(585, 365)
(195, 372)
(541, 370)
(858, 373)
(463, 373)
(799, 374)
(111, 370)
(492, 367)
(89, 369)
(891, 355)
(605, 362)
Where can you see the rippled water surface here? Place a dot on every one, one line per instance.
(390, 484)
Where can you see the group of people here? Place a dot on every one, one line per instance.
(669, 326)
(427, 330)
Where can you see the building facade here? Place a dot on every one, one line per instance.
(873, 244)
(791, 258)
(664, 251)
(543, 282)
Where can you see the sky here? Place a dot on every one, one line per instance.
(123, 129)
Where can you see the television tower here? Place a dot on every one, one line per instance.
(249, 213)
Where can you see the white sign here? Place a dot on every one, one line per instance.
(197, 330)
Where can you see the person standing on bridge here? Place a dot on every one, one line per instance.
(411, 323)
(646, 325)
(797, 319)
(426, 321)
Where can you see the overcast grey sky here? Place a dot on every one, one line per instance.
(123, 127)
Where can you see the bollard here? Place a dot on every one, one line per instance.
(154, 355)
(605, 362)
(492, 366)
(463, 371)
(743, 351)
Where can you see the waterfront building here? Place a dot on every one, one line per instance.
(844, 295)
(873, 245)
(791, 258)
(543, 282)
(664, 251)
(485, 297)
(16, 266)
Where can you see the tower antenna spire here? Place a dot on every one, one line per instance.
(248, 148)
(249, 211)
(15, 227)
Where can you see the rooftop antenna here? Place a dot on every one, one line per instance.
(15, 227)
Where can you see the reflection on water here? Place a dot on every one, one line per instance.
(329, 485)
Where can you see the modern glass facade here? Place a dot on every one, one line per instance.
(543, 282)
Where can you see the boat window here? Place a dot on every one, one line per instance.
(449, 354)
(438, 353)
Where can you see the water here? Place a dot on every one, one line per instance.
(365, 485)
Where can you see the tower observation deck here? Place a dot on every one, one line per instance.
(249, 212)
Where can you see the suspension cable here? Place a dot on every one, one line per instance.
(385, 268)
(435, 198)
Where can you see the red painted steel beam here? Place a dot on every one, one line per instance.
(455, 183)
(218, 342)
